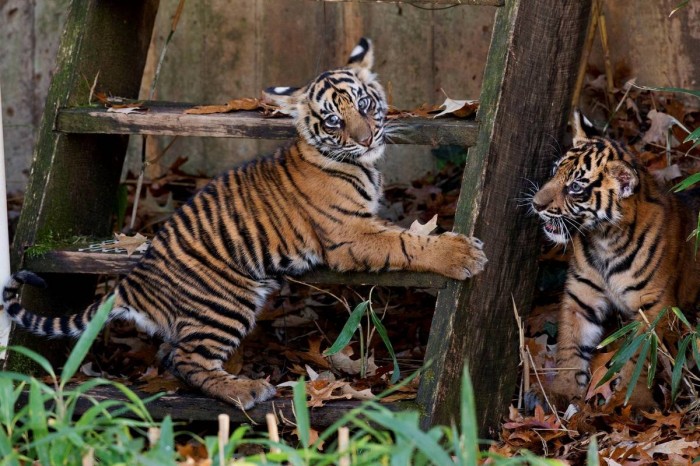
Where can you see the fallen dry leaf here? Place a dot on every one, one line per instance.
(343, 362)
(230, 106)
(672, 447)
(423, 229)
(458, 108)
(320, 391)
(660, 124)
(132, 244)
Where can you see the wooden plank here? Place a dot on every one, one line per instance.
(77, 262)
(418, 2)
(190, 407)
(168, 119)
(74, 178)
(528, 82)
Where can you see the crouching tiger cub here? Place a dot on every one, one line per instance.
(214, 262)
(630, 253)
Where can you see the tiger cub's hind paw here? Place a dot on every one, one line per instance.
(465, 256)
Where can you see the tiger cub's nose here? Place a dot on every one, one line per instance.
(537, 206)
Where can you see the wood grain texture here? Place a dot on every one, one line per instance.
(170, 120)
(74, 195)
(436, 2)
(528, 82)
(190, 406)
(76, 262)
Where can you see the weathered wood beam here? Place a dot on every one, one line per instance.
(74, 178)
(190, 406)
(168, 119)
(81, 262)
(528, 81)
(423, 2)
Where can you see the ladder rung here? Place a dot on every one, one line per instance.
(440, 2)
(168, 119)
(190, 406)
(73, 261)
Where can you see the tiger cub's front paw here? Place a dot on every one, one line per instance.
(463, 256)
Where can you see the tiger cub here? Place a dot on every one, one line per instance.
(630, 253)
(214, 262)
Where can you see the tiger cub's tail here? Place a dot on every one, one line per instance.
(70, 325)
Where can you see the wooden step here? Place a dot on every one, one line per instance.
(169, 119)
(190, 407)
(71, 260)
(441, 2)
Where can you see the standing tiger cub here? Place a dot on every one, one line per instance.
(630, 253)
(211, 266)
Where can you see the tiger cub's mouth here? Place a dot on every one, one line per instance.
(552, 227)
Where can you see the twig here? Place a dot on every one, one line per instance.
(544, 394)
(587, 47)
(523, 360)
(340, 300)
(224, 427)
(272, 431)
(144, 162)
(92, 88)
(606, 55)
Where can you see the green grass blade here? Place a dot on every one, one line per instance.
(469, 437)
(381, 330)
(424, 442)
(85, 341)
(672, 89)
(592, 454)
(641, 361)
(301, 411)
(349, 329)
(38, 419)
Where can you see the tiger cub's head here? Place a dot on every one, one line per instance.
(588, 185)
(341, 112)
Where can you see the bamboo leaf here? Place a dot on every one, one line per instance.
(381, 330)
(681, 316)
(653, 360)
(348, 330)
(631, 327)
(687, 183)
(678, 366)
(621, 357)
(641, 360)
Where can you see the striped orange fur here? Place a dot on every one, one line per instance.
(631, 254)
(213, 264)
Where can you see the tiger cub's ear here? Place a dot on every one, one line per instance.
(362, 56)
(625, 175)
(286, 98)
(582, 127)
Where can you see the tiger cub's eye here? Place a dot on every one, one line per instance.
(332, 121)
(363, 104)
(576, 188)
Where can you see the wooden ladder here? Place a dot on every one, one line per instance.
(529, 77)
